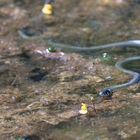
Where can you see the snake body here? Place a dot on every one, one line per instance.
(131, 43)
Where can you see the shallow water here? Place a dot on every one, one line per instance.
(121, 124)
(49, 88)
(108, 126)
(134, 66)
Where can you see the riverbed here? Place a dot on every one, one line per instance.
(41, 97)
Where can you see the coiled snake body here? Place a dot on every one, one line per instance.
(109, 90)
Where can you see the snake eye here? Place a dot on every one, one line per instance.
(109, 92)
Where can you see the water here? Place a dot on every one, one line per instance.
(108, 126)
(49, 88)
(134, 66)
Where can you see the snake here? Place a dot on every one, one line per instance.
(108, 91)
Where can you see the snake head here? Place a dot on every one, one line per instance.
(106, 93)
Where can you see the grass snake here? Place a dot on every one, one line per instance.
(108, 91)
